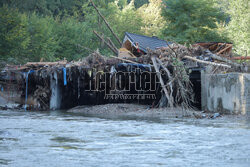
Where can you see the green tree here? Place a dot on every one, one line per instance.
(71, 37)
(38, 6)
(127, 19)
(120, 19)
(239, 26)
(51, 30)
(14, 38)
(138, 3)
(152, 20)
(42, 38)
(190, 21)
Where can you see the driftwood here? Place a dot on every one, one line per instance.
(207, 62)
(170, 102)
(170, 78)
(105, 21)
(130, 61)
(216, 57)
(107, 43)
(45, 63)
(113, 45)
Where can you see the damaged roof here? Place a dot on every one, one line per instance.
(145, 41)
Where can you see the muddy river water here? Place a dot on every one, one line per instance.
(58, 138)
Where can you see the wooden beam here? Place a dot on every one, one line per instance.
(224, 49)
(241, 58)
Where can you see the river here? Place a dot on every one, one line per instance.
(58, 138)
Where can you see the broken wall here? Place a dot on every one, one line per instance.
(226, 93)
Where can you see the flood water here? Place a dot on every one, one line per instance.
(57, 139)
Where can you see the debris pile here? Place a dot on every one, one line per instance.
(67, 82)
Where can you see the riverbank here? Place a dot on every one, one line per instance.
(136, 111)
(129, 111)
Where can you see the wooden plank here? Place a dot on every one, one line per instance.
(241, 58)
(224, 49)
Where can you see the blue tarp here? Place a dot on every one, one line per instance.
(64, 76)
(141, 66)
(26, 92)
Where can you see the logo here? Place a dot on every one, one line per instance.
(137, 84)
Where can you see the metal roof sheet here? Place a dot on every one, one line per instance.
(146, 42)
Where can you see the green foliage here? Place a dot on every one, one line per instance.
(42, 38)
(31, 6)
(70, 35)
(122, 3)
(152, 20)
(125, 20)
(191, 21)
(120, 19)
(139, 3)
(14, 38)
(51, 30)
(239, 26)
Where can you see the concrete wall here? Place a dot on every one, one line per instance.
(226, 93)
(55, 98)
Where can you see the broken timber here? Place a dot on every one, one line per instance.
(162, 82)
(207, 62)
(68, 80)
(109, 44)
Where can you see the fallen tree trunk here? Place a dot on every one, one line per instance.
(170, 102)
(113, 45)
(216, 57)
(207, 62)
(45, 63)
(109, 45)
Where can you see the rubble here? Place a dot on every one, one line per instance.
(174, 60)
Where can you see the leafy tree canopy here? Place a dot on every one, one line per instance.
(190, 21)
(51, 30)
(239, 26)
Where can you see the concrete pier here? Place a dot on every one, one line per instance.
(226, 93)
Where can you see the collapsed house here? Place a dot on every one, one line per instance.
(135, 45)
